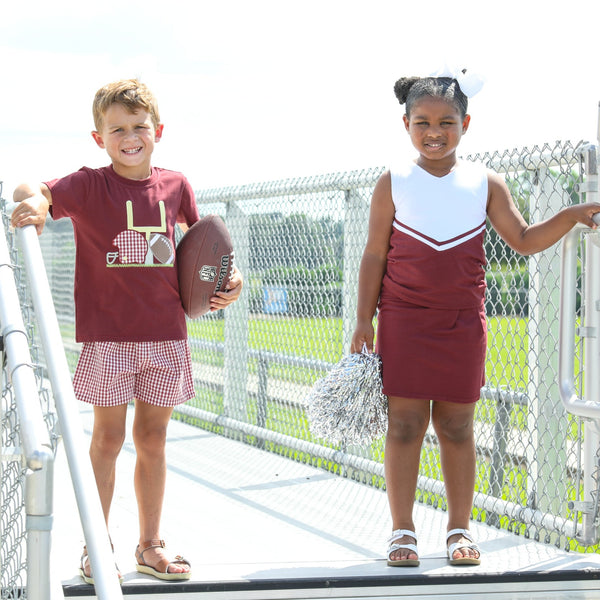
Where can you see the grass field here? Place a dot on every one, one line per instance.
(323, 339)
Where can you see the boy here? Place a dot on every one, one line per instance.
(129, 315)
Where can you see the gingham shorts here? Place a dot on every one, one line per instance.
(114, 373)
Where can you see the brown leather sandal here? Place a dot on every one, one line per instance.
(83, 563)
(161, 571)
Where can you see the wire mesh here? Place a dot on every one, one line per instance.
(13, 470)
(299, 244)
(13, 553)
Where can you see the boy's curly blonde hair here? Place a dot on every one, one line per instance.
(129, 93)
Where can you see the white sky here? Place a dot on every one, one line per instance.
(255, 90)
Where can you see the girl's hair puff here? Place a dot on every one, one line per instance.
(410, 89)
(129, 93)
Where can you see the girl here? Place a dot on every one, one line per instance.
(423, 268)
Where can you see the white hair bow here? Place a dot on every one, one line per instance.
(470, 83)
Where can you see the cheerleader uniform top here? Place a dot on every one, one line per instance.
(436, 257)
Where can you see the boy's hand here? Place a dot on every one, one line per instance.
(31, 211)
(232, 292)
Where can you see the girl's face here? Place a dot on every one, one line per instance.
(435, 127)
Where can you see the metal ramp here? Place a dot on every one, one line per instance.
(257, 525)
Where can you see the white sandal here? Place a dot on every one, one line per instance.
(406, 562)
(463, 560)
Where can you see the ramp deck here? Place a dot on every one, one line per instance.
(257, 525)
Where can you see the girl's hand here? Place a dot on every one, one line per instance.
(363, 334)
(31, 211)
(584, 214)
(232, 292)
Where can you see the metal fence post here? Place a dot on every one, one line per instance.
(356, 221)
(501, 428)
(262, 398)
(546, 455)
(38, 506)
(236, 321)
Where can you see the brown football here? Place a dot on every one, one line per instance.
(204, 259)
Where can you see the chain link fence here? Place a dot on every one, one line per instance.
(299, 244)
(13, 468)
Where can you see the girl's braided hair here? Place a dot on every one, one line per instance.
(410, 89)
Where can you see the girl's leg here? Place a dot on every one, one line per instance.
(453, 424)
(407, 423)
(149, 436)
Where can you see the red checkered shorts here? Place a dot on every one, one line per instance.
(114, 373)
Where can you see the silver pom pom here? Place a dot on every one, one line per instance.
(348, 405)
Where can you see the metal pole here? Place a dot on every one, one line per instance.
(88, 502)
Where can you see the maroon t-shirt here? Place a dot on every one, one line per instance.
(126, 286)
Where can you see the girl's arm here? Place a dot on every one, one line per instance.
(373, 263)
(529, 239)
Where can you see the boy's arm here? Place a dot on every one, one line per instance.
(34, 201)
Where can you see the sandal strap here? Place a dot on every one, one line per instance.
(459, 545)
(163, 565)
(179, 560)
(394, 547)
(85, 558)
(464, 532)
(143, 546)
(151, 544)
(400, 533)
(452, 548)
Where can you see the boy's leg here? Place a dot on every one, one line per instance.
(407, 423)
(108, 435)
(453, 424)
(149, 436)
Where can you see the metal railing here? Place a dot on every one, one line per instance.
(39, 499)
(587, 403)
(34, 455)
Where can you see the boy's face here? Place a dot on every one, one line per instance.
(129, 140)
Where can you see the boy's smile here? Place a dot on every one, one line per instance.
(128, 138)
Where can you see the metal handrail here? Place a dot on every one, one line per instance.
(82, 476)
(581, 407)
(588, 406)
(36, 448)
